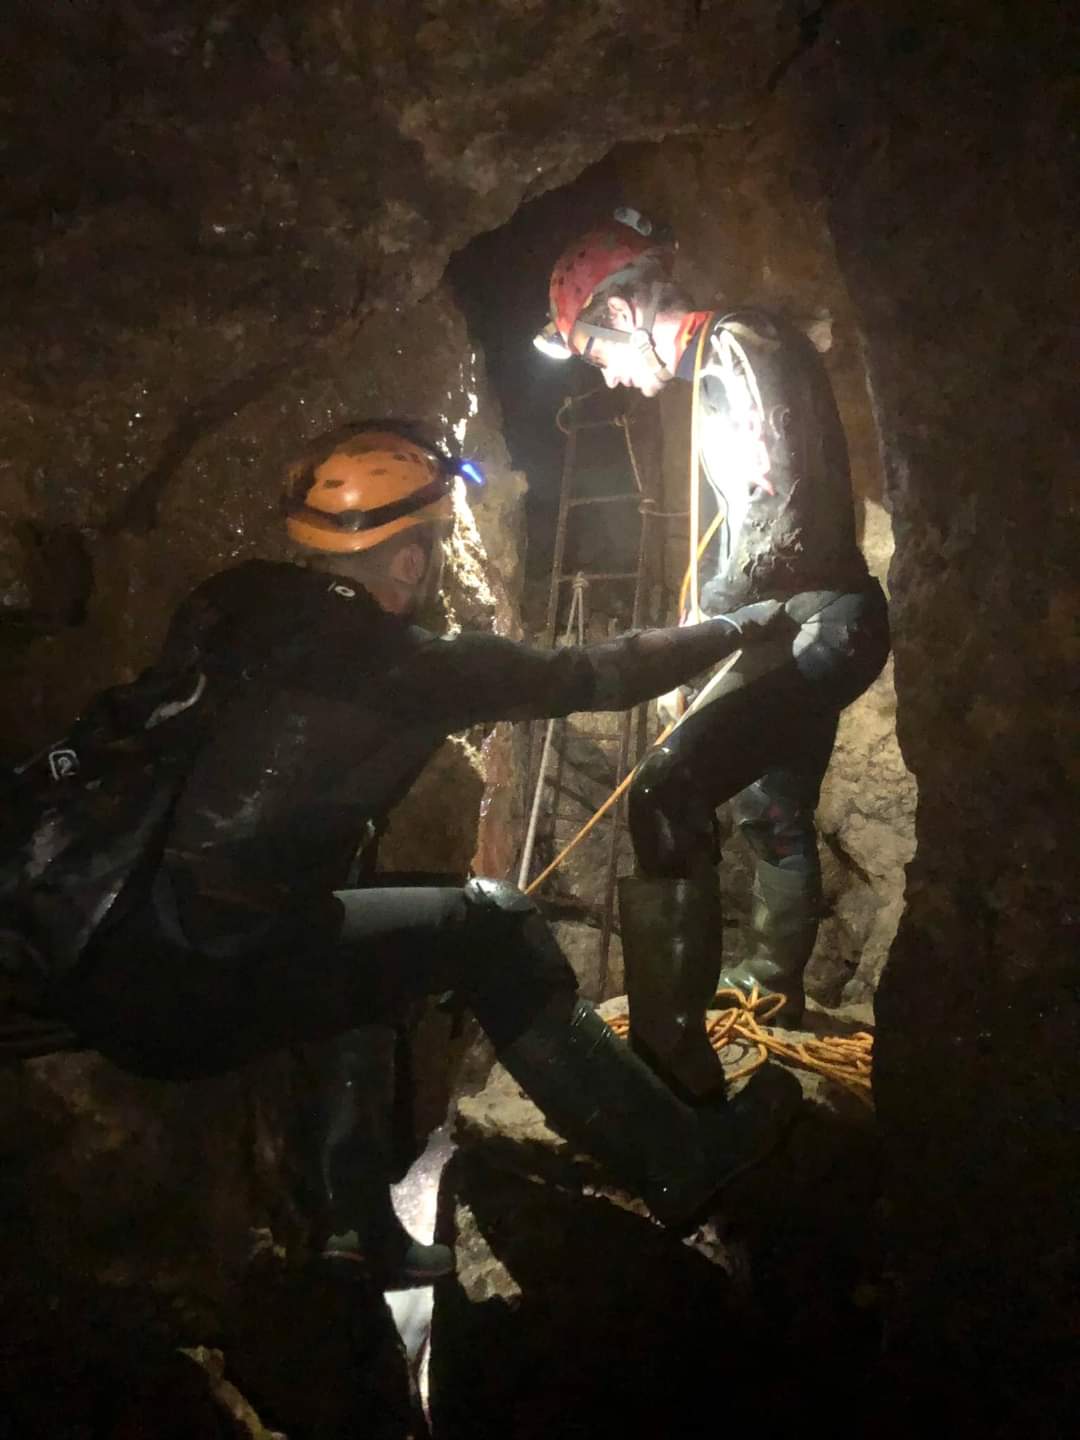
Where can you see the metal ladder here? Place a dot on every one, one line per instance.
(633, 727)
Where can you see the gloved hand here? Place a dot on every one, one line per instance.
(764, 620)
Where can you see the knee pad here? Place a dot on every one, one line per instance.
(483, 894)
(500, 917)
(673, 830)
(778, 822)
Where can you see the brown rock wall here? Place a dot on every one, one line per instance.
(946, 140)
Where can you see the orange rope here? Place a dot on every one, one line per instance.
(717, 521)
(700, 699)
(694, 557)
(612, 799)
(697, 548)
(847, 1059)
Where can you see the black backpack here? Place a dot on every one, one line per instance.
(81, 817)
(86, 819)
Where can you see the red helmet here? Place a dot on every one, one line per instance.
(602, 257)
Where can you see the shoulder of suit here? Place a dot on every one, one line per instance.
(277, 595)
(260, 579)
(760, 326)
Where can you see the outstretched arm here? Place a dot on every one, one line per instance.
(473, 678)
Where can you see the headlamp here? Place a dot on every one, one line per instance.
(550, 343)
(469, 471)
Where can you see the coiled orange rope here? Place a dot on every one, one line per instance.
(847, 1059)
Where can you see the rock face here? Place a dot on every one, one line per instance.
(951, 235)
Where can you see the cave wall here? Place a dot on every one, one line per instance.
(946, 146)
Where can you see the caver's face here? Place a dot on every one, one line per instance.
(625, 365)
(631, 362)
(428, 604)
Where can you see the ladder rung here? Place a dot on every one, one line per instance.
(599, 575)
(605, 499)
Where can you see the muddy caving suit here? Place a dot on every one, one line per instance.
(773, 452)
(238, 941)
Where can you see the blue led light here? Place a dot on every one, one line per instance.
(470, 472)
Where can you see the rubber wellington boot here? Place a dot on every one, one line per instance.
(356, 1164)
(594, 1090)
(784, 920)
(672, 943)
(388, 1255)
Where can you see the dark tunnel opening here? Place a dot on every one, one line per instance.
(500, 279)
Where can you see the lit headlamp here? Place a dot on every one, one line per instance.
(468, 470)
(550, 343)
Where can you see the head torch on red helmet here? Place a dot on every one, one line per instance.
(608, 254)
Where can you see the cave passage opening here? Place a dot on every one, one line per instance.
(500, 281)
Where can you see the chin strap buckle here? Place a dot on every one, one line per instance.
(642, 341)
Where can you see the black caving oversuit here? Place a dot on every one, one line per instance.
(239, 941)
(773, 451)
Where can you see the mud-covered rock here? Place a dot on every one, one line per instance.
(582, 945)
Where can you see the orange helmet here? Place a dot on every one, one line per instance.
(610, 252)
(373, 484)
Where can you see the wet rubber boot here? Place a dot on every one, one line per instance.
(784, 919)
(594, 1091)
(387, 1254)
(356, 1165)
(672, 944)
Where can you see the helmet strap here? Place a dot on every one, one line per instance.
(642, 341)
(600, 332)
